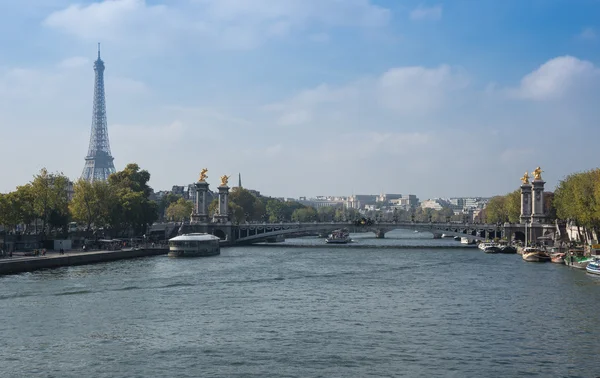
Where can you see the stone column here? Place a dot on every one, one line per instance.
(223, 210)
(537, 208)
(526, 203)
(200, 213)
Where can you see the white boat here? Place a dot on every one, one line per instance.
(194, 245)
(534, 255)
(489, 247)
(593, 267)
(465, 240)
(338, 237)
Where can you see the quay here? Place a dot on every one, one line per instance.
(21, 264)
(364, 246)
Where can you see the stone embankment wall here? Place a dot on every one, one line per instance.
(28, 264)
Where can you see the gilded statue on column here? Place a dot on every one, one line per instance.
(203, 175)
(224, 180)
(537, 173)
(525, 178)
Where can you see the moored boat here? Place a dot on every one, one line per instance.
(575, 258)
(534, 255)
(341, 236)
(593, 267)
(558, 258)
(194, 245)
(465, 240)
(489, 247)
(508, 249)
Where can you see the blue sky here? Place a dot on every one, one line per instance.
(307, 97)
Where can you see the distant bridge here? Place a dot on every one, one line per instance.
(250, 233)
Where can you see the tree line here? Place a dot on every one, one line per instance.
(119, 206)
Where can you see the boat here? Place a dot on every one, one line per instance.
(457, 238)
(447, 236)
(194, 245)
(593, 267)
(465, 240)
(575, 258)
(508, 249)
(341, 236)
(557, 258)
(489, 247)
(534, 255)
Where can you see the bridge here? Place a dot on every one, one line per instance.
(250, 233)
(219, 224)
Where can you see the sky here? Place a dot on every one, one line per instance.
(449, 98)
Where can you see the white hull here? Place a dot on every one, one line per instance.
(593, 268)
(337, 241)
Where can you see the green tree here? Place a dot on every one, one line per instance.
(496, 210)
(91, 203)
(50, 196)
(132, 209)
(165, 202)
(307, 214)
(275, 210)
(180, 210)
(513, 206)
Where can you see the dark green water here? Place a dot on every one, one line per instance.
(320, 311)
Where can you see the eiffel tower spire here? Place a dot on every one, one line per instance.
(99, 161)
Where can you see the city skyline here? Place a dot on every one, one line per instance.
(305, 98)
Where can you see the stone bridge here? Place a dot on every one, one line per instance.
(250, 233)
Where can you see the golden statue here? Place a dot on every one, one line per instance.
(224, 180)
(525, 178)
(537, 173)
(203, 175)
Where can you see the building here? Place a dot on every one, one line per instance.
(322, 201)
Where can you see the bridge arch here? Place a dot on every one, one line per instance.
(219, 233)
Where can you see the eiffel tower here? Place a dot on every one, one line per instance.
(98, 162)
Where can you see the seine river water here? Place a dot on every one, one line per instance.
(361, 310)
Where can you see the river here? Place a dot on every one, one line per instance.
(368, 309)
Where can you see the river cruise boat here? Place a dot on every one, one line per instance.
(341, 236)
(593, 267)
(194, 245)
(489, 247)
(534, 255)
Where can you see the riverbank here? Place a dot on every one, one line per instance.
(20, 264)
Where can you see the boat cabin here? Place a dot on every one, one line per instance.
(191, 245)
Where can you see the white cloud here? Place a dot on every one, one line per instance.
(425, 13)
(410, 91)
(74, 62)
(588, 34)
(419, 89)
(556, 78)
(223, 23)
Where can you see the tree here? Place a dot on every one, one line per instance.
(496, 210)
(165, 202)
(90, 202)
(50, 196)
(307, 214)
(275, 210)
(180, 210)
(132, 208)
(248, 202)
(513, 206)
